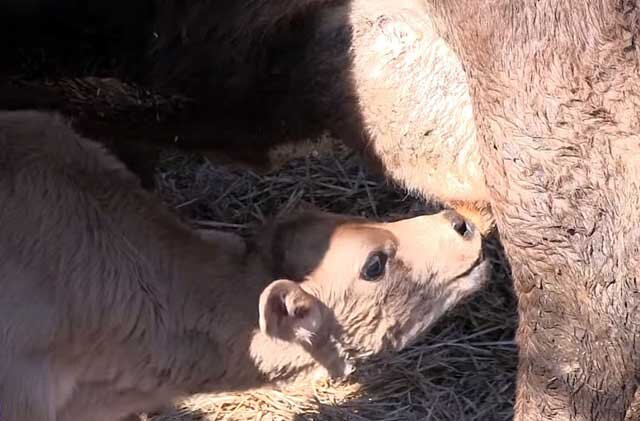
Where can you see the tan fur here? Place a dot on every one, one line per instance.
(111, 306)
(478, 212)
(373, 73)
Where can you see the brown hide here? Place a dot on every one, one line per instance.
(556, 96)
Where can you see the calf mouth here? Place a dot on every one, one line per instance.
(477, 274)
(480, 271)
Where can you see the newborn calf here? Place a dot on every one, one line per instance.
(110, 305)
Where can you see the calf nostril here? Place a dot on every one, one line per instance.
(459, 224)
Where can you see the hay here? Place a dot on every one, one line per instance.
(464, 369)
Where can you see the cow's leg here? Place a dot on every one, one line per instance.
(573, 364)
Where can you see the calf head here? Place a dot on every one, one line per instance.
(367, 287)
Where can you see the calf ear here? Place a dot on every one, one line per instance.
(289, 313)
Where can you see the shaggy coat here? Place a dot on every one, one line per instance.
(556, 97)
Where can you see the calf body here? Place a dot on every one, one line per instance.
(110, 305)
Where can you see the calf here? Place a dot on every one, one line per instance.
(110, 305)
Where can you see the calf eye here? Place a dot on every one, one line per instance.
(374, 267)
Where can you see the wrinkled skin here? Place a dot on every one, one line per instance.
(556, 96)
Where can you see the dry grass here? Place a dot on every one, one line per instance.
(464, 369)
